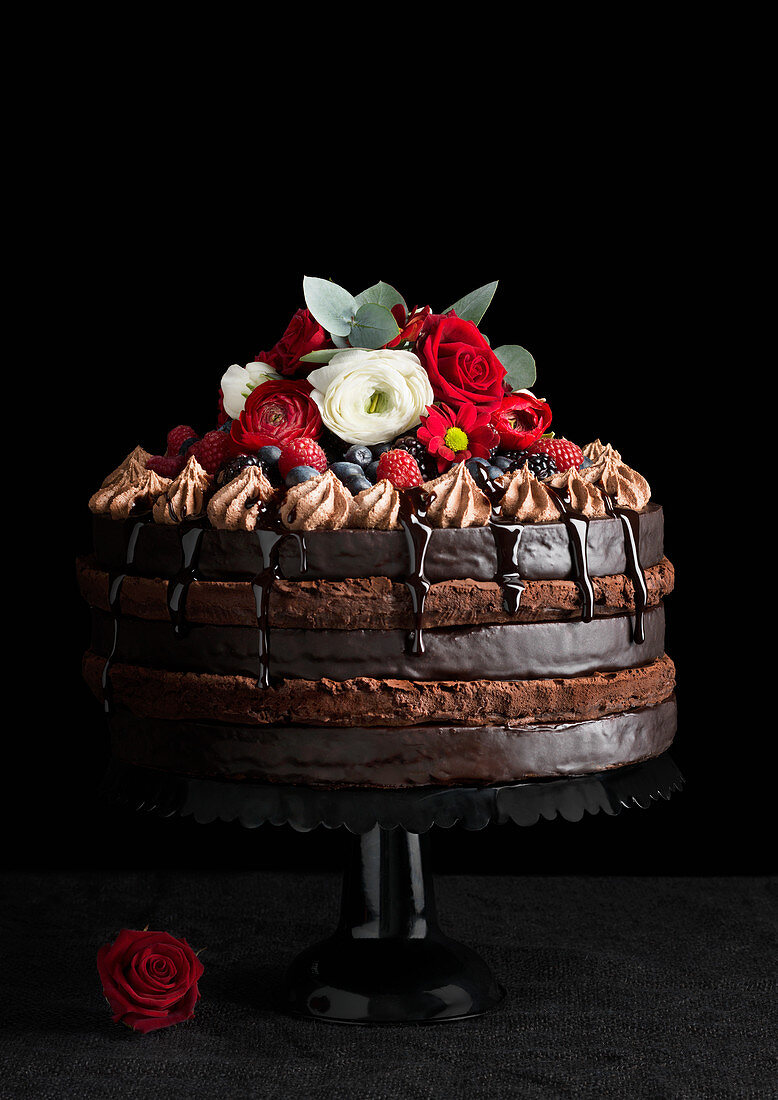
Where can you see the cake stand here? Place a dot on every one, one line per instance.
(388, 961)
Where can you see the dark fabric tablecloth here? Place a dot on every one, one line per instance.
(623, 987)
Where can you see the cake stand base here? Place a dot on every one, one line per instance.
(388, 961)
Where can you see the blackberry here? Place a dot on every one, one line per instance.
(541, 465)
(418, 451)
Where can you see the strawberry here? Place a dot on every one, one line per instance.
(211, 451)
(399, 467)
(166, 465)
(564, 453)
(176, 438)
(301, 452)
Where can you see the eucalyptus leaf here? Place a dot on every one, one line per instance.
(382, 294)
(474, 305)
(373, 327)
(519, 366)
(332, 306)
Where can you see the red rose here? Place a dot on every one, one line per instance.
(275, 412)
(303, 335)
(461, 366)
(149, 979)
(521, 419)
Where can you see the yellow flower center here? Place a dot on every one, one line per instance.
(456, 439)
(377, 402)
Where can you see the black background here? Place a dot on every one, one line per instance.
(165, 279)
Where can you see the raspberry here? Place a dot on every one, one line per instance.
(301, 452)
(211, 451)
(176, 438)
(399, 467)
(564, 453)
(416, 448)
(166, 465)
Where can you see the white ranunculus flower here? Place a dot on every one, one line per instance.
(369, 396)
(238, 382)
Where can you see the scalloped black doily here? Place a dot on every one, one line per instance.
(416, 809)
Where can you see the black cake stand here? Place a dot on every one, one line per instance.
(388, 961)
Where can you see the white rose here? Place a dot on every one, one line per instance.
(238, 382)
(371, 396)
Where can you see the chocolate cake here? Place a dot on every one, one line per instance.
(379, 568)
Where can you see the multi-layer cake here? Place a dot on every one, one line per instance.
(379, 568)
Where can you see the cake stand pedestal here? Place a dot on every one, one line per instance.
(388, 961)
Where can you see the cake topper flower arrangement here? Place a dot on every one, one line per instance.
(371, 388)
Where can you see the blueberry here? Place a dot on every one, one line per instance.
(473, 464)
(357, 483)
(493, 472)
(586, 462)
(359, 454)
(371, 473)
(380, 449)
(299, 474)
(269, 455)
(344, 470)
(503, 462)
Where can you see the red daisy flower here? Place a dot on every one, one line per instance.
(457, 435)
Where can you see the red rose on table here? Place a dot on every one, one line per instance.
(521, 419)
(303, 335)
(275, 413)
(461, 366)
(149, 979)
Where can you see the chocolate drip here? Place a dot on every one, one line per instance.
(270, 537)
(191, 536)
(507, 536)
(132, 528)
(630, 524)
(413, 513)
(577, 527)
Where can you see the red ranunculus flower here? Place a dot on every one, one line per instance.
(149, 979)
(410, 325)
(303, 334)
(521, 419)
(275, 412)
(455, 435)
(461, 366)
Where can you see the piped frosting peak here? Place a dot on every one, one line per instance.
(626, 486)
(185, 496)
(319, 504)
(236, 506)
(376, 508)
(457, 500)
(135, 489)
(526, 499)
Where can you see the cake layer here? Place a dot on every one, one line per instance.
(158, 693)
(543, 552)
(390, 756)
(498, 651)
(369, 602)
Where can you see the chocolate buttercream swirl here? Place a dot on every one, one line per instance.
(320, 504)
(185, 496)
(236, 506)
(584, 498)
(137, 489)
(598, 451)
(136, 455)
(376, 508)
(458, 502)
(625, 486)
(526, 499)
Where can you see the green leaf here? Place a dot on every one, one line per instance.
(331, 305)
(373, 327)
(519, 366)
(323, 355)
(474, 305)
(382, 295)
